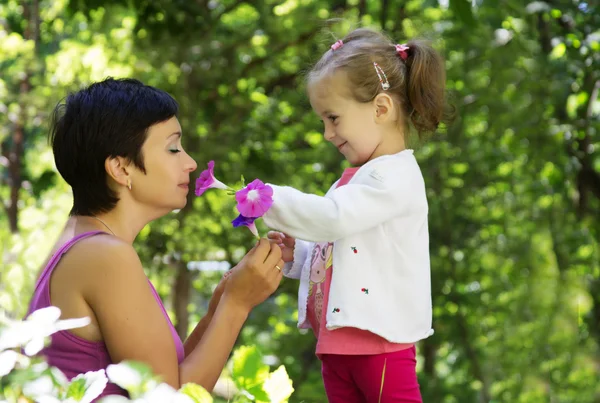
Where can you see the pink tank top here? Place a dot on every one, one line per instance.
(74, 355)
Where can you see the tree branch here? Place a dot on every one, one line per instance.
(362, 8)
(385, 4)
(258, 61)
(286, 80)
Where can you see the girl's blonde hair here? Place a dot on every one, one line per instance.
(417, 77)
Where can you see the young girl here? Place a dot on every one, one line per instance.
(362, 251)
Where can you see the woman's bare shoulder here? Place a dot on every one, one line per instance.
(101, 258)
(113, 284)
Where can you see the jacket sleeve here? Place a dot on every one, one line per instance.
(389, 190)
(302, 251)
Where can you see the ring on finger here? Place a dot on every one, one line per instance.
(278, 268)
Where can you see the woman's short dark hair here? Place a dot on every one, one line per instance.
(107, 119)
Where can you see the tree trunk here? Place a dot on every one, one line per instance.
(385, 5)
(428, 349)
(181, 299)
(362, 8)
(15, 153)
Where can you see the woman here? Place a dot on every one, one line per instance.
(117, 143)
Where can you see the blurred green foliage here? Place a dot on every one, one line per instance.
(513, 184)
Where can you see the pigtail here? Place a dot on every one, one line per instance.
(425, 87)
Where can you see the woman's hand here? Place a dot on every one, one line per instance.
(255, 277)
(285, 242)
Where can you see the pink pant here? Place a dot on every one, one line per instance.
(358, 378)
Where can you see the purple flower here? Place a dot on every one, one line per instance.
(255, 199)
(207, 180)
(246, 222)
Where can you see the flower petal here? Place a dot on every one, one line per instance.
(8, 359)
(260, 202)
(73, 323)
(123, 375)
(95, 382)
(254, 230)
(114, 399)
(17, 334)
(39, 387)
(34, 346)
(45, 315)
(241, 195)
(207, 180)
(51, 399)
(240, 220)
(217, 184)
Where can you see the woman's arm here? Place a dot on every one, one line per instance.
(134, 327)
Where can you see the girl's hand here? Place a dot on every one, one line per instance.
(285, 242)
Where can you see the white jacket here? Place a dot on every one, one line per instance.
(378, 223)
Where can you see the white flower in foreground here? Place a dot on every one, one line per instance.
(278, 385)
(124, 375)
(39, 389)
(93, 383)
(165, 393)
(162, 393)
(52, 399)
(59, 377)
(32, 332)
(8, 359)
(114, 399)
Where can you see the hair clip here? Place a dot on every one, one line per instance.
(338, 44)
(385, 84)
(402, 51)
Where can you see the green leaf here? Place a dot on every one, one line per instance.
(558, 51)
(246, 362)
(197, 393)
(259, 393)
(76, 389)
(249, 372)
(259, 98)
(463, 10)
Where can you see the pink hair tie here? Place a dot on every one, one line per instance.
(337, 45)
(402, 51)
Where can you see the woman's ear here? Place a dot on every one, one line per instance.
(118, 169)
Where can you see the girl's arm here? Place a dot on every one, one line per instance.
(394, 189)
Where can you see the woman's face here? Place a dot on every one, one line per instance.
(165, 184)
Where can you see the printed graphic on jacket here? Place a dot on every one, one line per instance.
(321, 261)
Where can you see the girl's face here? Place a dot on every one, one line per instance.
(349, 125)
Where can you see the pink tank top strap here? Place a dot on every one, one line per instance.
(58, 254)
(41, 294)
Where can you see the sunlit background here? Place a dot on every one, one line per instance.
(514, 182)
